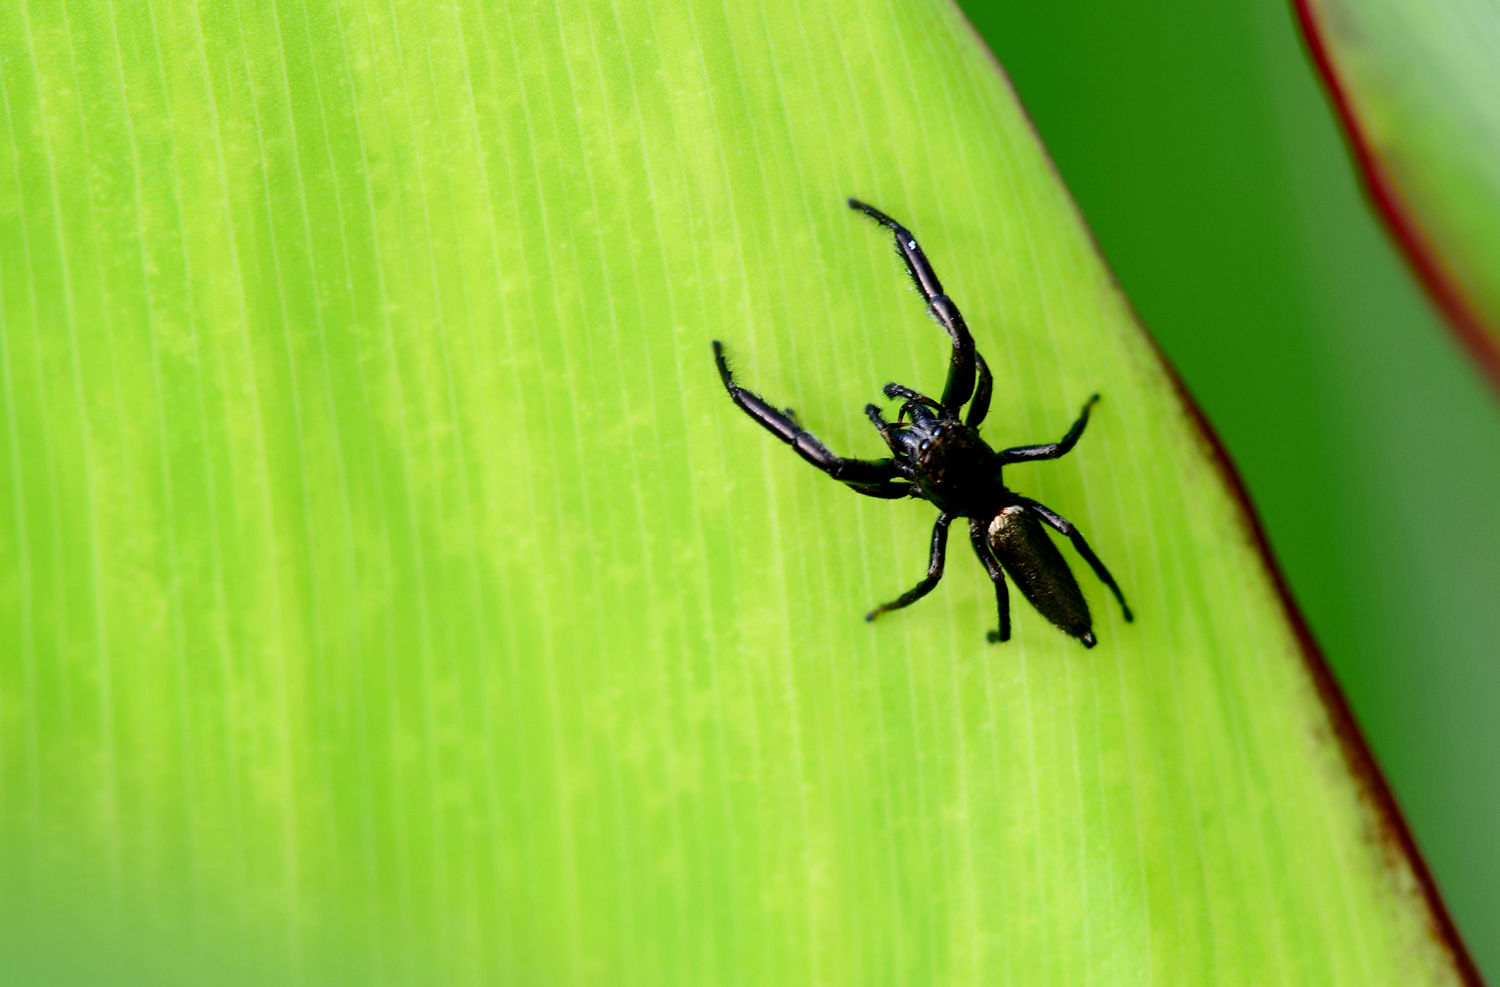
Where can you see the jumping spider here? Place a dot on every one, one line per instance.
(938, 456)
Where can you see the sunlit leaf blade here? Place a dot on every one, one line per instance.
(397, 597)
(1414, 85)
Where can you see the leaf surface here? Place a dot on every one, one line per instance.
(397, 595)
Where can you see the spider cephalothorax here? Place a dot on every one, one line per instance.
(938, 456)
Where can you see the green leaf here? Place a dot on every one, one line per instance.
(1414, 84)
(397, 595)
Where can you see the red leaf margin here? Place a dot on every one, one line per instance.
(1481, 339)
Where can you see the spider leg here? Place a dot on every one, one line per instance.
(901, 391)
(960, 385)
(885, 491)
(904, 442)
(1068, 528)
(881, 425)
(1051, 450)
(871, 473)
(992, 566)
(911, 398)
(981, 405)
(934, 571)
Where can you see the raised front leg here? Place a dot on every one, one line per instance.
(1051, 450)
(934, 571)
(868, 476)
(960, 386)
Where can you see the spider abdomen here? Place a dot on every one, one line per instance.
(1022, 548)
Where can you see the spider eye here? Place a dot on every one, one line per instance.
(926, 444)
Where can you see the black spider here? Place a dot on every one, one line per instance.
(939, 457)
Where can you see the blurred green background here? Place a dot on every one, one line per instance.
(1198, 142)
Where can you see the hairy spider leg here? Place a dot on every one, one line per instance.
(1051, 450)
(934, 570)
(960, 385)
(871, 477)
(902, 391)
(1068, 528)
(997, 576)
